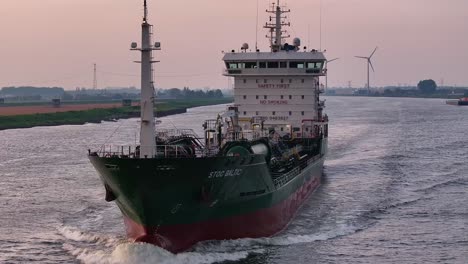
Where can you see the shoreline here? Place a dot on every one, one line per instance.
(100, 114)
(389, 96)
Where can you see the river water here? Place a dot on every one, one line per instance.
(395, 190)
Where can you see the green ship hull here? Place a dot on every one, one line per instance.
(177, 202)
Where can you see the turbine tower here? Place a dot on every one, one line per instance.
(369, 64)
(326, 69)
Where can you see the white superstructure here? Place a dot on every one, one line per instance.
(278, 89)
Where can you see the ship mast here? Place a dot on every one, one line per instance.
(147, 131)
(276, 31)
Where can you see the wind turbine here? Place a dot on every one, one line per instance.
(369, 63)
(326, 69)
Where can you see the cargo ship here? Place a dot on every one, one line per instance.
(253, 168)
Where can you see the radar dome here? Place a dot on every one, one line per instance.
(245, 46)
(296, 42)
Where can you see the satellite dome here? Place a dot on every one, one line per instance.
(245, 46)
(296, 42)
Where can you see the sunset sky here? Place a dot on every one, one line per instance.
(56, 42)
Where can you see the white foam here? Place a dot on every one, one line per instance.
(204, 253)
(74, 234)
(142, 253)
(256, 244)
(87, 255)
(145, 254)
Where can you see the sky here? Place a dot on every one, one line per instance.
(56, 42)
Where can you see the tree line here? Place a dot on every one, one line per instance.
(29, 93)
(186, 93)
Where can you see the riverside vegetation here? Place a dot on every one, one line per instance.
(164, 108)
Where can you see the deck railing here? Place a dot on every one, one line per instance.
(246, 135)
(162, 151)
(280, 179)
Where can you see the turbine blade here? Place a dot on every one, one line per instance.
(372, 66)
(373, 52)
(360, 57)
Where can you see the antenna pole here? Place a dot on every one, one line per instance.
(320, 37)
(95, 77)
(256, 31)
(145, 16)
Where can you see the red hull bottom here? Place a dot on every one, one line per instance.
(262, 223)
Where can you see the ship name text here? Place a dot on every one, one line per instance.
(225, 173)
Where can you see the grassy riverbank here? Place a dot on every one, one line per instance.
(164, 108)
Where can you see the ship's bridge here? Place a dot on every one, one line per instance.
(281, 88)
(291, 63)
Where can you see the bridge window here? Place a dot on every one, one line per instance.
(314, 65)
(274, 113)
(256, 113)
(296, 64)
(302, 113)
(250, 65)
(273, 64)
(282, 81)
(245, 113)
(283, 64)
(231, 65)
(290, 113)
(262, 65)
(290, 97)
(256, 97)
(245, 97)
(240, 65)
(282, 97)
(245, 81)
(265, 97)
(301, 97)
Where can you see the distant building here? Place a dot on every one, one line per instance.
(2, 100)
(56, 102)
